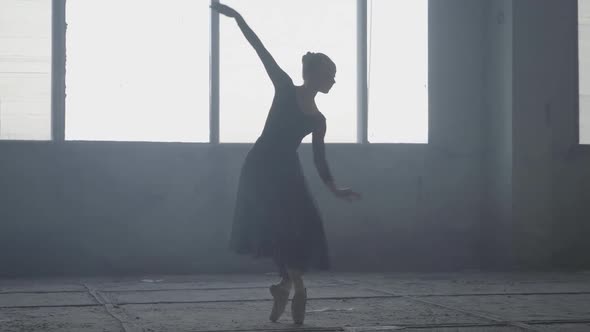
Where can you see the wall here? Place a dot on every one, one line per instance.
(497, 132)
(551, 171)
(104, 207)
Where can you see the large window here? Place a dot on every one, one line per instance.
(288, 29)
(398, 71)
(25, 69)
(144, 70)
(584, 69)
(137, 70)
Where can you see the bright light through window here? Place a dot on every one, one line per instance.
(398, 71)
(288, 29)
(25, 69)
(137, 70)
(584, 69)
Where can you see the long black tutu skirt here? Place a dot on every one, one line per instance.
(275, 215)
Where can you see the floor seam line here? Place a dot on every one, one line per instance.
(467, 312)
(97, 296)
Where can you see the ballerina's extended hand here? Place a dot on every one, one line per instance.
(346, 194)
(224, 10)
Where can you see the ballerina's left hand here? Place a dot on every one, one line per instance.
(347, 194)
(224, 10)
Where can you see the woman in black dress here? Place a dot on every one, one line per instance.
(275, 215)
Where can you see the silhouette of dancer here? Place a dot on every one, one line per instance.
(275, 215)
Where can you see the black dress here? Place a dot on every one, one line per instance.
(275, 215)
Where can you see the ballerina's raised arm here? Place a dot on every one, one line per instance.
(276, 74)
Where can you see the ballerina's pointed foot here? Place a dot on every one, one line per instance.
(298, 306)
(280, 296)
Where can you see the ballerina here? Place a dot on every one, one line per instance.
(275, 215)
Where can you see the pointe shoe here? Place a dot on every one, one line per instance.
(281, 297)
(298, 306)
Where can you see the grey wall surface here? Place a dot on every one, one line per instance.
(166, 208)
(498, 185)
(497, 130)
(536, 213)
(551, 171)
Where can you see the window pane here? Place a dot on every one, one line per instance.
(137, 70)
(398, 71)
(584, 69)
(25, 69)
(288, 29)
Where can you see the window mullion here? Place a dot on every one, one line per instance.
(214, 78)
(362, 91)
(58, 70)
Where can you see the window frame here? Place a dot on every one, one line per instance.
(58, 70)
(58, 91)
(579, 146)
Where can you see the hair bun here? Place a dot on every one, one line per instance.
(307, 57)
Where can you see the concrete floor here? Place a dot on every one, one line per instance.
(338, 302)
